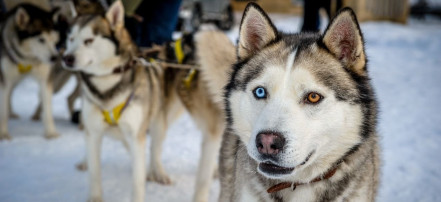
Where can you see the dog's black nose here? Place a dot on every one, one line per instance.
(270, 143)
(69, 60)
(54, 58)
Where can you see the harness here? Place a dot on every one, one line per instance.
(113, 115)
(23, 69)
(179, 52)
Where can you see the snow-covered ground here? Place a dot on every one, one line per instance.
(405, 66)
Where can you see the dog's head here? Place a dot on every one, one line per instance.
(35, 33)
(97, 44)
(299, 102)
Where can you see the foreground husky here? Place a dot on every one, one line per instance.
(301, 115)
(28, 39)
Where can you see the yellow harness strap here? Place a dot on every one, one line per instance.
(112, 117)
(23, 69)
(189, 78)
(178, 51)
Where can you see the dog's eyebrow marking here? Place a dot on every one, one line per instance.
(289, 64)
(290, 60)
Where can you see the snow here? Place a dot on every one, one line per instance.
(405, 67)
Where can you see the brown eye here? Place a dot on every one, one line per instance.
(313, 98)
(88, 42)
(41, 40)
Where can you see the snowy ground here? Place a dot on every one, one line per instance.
(405, 66)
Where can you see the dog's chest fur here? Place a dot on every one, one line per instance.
(355, 180)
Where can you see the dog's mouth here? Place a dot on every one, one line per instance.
(273, 169)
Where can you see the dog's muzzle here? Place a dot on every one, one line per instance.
(69, 61)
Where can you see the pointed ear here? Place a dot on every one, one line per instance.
(115, 15)
(256, 31)
(56, 14)
(21, 18)
(344, 39)
(73, 11)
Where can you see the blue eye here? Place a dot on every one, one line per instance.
(260, 93)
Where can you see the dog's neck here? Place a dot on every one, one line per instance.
(104, 87)
(294, 185)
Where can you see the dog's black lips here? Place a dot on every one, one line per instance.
(270, 168)
(307, 158)
(274, 169)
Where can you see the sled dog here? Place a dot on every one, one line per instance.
(301, 115)
(28, 39)
(125, 96)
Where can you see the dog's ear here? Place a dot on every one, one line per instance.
(344, 39)
(72, 10)
(56, 14)
(256, 31)
(21, 18)
(115, 15)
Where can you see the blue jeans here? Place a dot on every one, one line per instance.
(160, 18)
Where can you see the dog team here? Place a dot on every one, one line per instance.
(284, 116)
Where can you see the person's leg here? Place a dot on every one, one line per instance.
(311, 17)
(160, 18)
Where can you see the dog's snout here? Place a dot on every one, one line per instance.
(54, 58)
(270, 143)
(69, 60)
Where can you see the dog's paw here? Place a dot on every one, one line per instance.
(95, 199)
(200, 200)
(81, 166)
(159, 177)
(81, 126)
(36, 117)
(5, 136)
(14, 116)
(52, 135)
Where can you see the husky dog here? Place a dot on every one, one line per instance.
(67, 13)
(28, 39)
(301, 115)
(121, 95)
(124, 98)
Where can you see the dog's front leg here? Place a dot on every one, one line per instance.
(156, 171)
(207, 163)
(136, 144)
(134, 132)
(46, 97)
(94, 163)
(5, 93)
